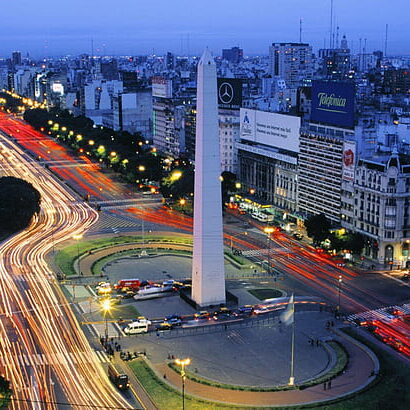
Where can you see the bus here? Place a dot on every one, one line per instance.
(119, 379)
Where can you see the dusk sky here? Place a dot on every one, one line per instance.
(51, 28)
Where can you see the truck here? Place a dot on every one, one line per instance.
(120, 380)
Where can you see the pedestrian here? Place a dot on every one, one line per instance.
(324, 386)
(317, 342)
(165, 376)
(329, 385)
(226, 327)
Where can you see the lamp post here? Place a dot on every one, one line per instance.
(269, 231)
(106, 306)
(236, 236)
(183, 363)
(77, 237)
(340, 281)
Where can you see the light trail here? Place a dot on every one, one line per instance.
(41, 341)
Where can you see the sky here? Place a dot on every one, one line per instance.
(47, 28)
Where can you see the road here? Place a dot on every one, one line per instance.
(43, 351)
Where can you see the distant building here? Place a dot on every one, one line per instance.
(336, 63)
(170, 61)
(233, 55)
(292, 62)
(16, 59)
(396, 81)
(132, 112)
(109, 70)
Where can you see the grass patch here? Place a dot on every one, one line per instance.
(265, 293)
(389, 391)
(66, 257)
(341, 363)
(164, 396)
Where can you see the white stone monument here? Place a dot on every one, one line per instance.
(208, 274)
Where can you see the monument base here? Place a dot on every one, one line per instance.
(231, 300)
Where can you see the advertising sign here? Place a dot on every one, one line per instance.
(271, 129)
(161, 87)
(229, 93)
(333, 103)
(349, 159)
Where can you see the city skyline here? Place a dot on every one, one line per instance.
(140, 29)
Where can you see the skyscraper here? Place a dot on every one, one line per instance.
(208, 276)
(291, 62)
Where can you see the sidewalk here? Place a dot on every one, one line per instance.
(356, 376)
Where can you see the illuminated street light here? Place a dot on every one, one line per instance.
(182, 201)
(141, 168)
(340, 281)
(106, 306)
(235, 236)
(91, 142)
(77, 238)
(183, 363)
(238, 185)
(269, 231)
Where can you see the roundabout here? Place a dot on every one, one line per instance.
(255, 354)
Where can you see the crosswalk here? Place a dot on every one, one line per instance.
(380, 314)
(112, 223)
(259, 252)
(40, 359)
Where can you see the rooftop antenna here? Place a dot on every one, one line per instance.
(385, 41)
(337, 37)
(92, 48)
(331, 23)
(300, 30)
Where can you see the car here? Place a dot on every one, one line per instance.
(222, 313)
(246, 310)
(203, 314)
(169, 282)
(163, 326)
(298, 236)
(174, 320)
(260, 310)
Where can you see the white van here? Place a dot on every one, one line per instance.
(137, 327)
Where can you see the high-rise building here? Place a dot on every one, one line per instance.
(293, 62)
(208, 276)
(170, 61)
(233, 55)
(16, 58)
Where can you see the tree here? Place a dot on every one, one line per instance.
(5, 393)
(318, 227)
(228, 185)
(355, 243)
(19, 201)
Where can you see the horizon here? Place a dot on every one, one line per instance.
(135, 28)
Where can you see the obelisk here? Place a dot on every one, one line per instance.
(208, 274)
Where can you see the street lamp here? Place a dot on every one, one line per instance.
(183, 363)
(106, 306)
(269, 231)
(235, 236)
(340, 281)
(78, 237)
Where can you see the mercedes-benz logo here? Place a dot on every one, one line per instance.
(226, 93)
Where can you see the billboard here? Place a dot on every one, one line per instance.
(333, 103)
(229, 93)
(271, 129)
(349, 159)
(161, 87)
